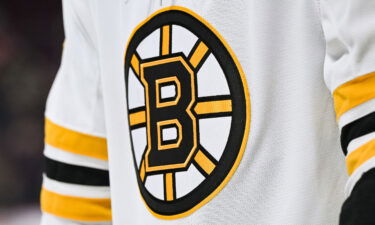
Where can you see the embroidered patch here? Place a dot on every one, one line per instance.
(189, 111)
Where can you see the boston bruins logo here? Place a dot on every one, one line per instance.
(189, 111)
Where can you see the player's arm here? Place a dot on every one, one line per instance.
(76, 179)
(349, 29)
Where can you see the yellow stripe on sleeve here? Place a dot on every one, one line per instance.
(75, 142)
(76, 208)
(356, 158)
(354, 93)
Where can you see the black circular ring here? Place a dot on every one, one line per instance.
(239, 109)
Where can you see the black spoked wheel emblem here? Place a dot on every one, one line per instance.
(189, 111)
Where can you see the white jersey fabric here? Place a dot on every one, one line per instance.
(267, 78)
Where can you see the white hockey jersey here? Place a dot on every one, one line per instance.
(209, 112)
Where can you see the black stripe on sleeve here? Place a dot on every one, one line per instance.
(359, 208)
(75, 174)
(357, 128)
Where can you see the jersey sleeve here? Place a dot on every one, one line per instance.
(76, 179)
(349, 30)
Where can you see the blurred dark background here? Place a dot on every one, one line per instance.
(31, 36)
